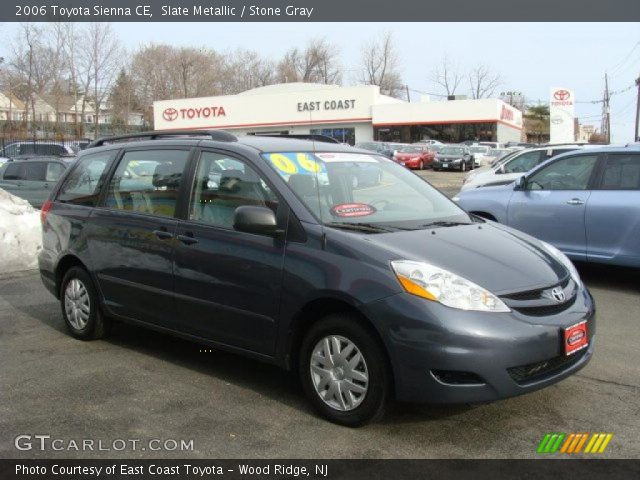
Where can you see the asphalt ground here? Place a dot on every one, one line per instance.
(141, 385)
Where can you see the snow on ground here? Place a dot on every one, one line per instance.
(20, 234)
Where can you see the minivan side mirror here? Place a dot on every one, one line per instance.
(258, 220)
(521, 183)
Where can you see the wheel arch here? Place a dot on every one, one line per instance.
(318, 308)
(64, 264)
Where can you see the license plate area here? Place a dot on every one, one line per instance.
(576, 337)
(445, 165)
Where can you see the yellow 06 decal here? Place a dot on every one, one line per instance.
(290, 164)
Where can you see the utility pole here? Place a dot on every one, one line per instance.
(408, 97)
(636, 133)
(606, 117)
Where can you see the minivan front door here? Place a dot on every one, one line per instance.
(552, 206)
(228, 283)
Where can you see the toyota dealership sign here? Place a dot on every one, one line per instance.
(561, 116)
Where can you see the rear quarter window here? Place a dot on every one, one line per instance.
(83, 185)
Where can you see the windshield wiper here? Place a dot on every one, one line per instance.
(361, 227)
(442, 223)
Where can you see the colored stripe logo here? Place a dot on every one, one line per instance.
(574, 443)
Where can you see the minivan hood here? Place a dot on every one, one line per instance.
(493, 256)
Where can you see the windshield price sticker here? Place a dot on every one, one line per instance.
(295, 163)
(349, 210)
(346, 157)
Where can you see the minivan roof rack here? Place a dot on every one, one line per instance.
(218, 135)
(301, 136)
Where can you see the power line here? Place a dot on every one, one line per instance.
(620, 64)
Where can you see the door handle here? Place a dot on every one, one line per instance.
(575, 201)
(46, 185)
(163, 234)
(187, 238)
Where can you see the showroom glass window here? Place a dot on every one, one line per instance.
(621, 172)
(572, 173)
(221, 185)
(83, 185)
(343, 135)
(148, 181)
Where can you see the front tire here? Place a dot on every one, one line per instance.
(463, 167)
(80, 308)
(344, 371)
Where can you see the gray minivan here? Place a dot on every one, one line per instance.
(266, 247)
(32, 179)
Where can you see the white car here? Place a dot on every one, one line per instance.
(505, 172)
(480, 155)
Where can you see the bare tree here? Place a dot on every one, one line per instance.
(447, 76)
(27, 62)
(483, 82)
(316, 63)
(105, 54)
(245, 69)
(380, 65)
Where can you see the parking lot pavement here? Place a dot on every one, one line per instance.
(448, 182)
(142, 385)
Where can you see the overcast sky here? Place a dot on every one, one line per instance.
(531, 57)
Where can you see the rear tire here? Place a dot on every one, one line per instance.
(344, 371)
(80, 308)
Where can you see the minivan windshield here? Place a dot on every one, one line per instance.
(365, 192)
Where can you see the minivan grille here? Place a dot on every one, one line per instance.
(547, 368)
(533, 294)
(545, 310)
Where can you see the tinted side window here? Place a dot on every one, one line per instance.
(621, 172)
(35, 171)
(147, 181)
(572, 173)
(45, 149)
(14, 171)
(83, 185)
(223, 184)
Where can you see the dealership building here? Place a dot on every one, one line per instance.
(349, 114)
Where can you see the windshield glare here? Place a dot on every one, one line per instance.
(360, 189)
(411, 150)
(452, 151)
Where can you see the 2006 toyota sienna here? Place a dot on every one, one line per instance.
(268, 247)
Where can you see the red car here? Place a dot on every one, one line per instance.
(415, 157)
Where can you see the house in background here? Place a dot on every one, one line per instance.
(11, 108)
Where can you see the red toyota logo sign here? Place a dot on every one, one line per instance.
(561, 95)
(170, 114)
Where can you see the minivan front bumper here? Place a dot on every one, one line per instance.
(444, 355)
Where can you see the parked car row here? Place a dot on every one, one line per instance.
(425, 153)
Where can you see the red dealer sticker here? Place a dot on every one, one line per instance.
(347, 210)
(575, 338)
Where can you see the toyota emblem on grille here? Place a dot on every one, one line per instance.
(558, 294)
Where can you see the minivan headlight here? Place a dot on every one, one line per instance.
(439, 285)
(564, 260)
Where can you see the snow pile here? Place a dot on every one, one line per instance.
(20, 234)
